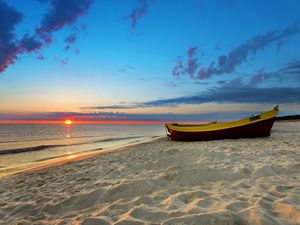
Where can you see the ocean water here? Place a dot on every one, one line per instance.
(22, 145)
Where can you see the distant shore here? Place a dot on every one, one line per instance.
(288, 118)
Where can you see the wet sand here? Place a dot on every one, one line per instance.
(244, 181)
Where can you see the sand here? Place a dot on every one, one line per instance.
(245, 181)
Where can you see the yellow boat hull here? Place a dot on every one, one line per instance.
(254, 126)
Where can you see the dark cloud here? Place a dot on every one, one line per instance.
(228, 63)
(289, 73)
(138, 12)
(192, 61)
(30, 44)
(238, 91)
(10, 46)
(292, 68)
(62, 13)
(249, 94)
(178, 68)
(237, 56)
(234, 91)
(189, 67)
(70, 40)
(9, 49)
(258, 77)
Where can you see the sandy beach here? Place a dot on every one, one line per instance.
(244, 181)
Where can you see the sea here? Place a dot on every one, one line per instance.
(23, 145)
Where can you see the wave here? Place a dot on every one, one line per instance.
(28, 149)
(46, 139)
(44, 147)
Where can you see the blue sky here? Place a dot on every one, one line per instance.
(148, 59)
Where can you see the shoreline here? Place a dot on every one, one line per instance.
(60, 160)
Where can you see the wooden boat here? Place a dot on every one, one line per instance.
(254, 126)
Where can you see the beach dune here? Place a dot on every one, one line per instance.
(244, 181)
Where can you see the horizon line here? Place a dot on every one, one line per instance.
(108, 122)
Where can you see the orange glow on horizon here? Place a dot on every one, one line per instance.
(116, 122)
(81, 122)
(68, 122)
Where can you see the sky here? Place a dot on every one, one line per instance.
(148, 60)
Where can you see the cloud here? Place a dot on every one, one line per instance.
(274, 95)
(9, 49)
(70, 40)
(292, 68)
(189, 67)
(117, 116)
(178, 68)
(238, 91)
(192, 61)
(29, 44)
(228, 63)
(290, 73)
(62, 13)
(138, 12)
(259, 77)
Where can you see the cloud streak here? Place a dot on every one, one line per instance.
(111, 116)
(138, 12)
(292, 68)
(226, 64)
(273, 95)
(189, 67)
(61, 14)
(259, 77)
(288, 73)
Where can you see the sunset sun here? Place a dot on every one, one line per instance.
(68, 122)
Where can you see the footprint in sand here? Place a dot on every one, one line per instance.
(237, 205)
(283, 188)
(95, 221)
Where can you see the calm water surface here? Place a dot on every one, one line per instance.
(22, 145)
